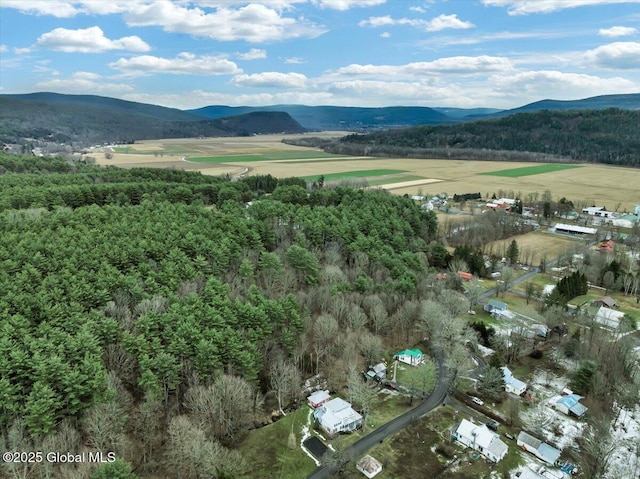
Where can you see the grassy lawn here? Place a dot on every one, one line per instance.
(266, 449)
(353, 174)
(272, 156)
(530, 170)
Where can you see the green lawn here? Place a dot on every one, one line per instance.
(353, 174)
(272, 156)
(530, 170)
(267, 453)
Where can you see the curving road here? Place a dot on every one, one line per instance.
(361, 446)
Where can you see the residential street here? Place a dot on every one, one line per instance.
(360, 447)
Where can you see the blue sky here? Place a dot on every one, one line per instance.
(192, 53)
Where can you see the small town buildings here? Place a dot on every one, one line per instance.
(570, 405)
(412, 357)
(625, 221)
(511, 383)
(377, 372)
(535, 446)
(369, 466)
(318, 398)
(598, 211)
(337, 416)
(609, 317)
(481, 439)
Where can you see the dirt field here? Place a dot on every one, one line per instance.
(554, 245)
(596, 184)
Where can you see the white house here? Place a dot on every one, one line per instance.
(511, 383)
(318, 398)
(600, 211)
(481, 439)
(609, 317)
(337, 416)
(369, 466)
(412, 357)
(535, 446)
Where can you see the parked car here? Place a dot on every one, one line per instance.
(471, 311)
(492, 425)
(391, 385)
(478, 401)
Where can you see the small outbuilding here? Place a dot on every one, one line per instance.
(609, 317)
(377, 372)
(571, 406)
(369, 466)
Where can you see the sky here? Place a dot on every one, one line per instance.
(439, 53)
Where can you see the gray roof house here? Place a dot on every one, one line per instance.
(541, 450)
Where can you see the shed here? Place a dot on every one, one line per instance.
(369, 466)
(609, 317)
(570, 405)
(606, 301)
(377, 372)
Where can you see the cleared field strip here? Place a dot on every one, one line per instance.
(406, 184)
(353, 174)
(271, 156)
(394, 179)
(531, 170)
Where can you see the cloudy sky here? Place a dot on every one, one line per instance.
(192, 53)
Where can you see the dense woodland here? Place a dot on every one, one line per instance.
(610, 136)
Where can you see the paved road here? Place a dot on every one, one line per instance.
(361, 446)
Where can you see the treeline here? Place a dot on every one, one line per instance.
(610, 136)
(466, 197)
(568, 288)
(151, 329)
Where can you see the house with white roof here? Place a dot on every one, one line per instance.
(481, 439)
(337, 416)
(609, 317)
(318, 398)
(511, 383)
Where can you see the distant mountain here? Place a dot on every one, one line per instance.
(464, 112)
(629, 101)
(341, 117)
(91, 119)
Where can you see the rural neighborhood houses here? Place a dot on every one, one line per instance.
(541, 450)
(481, 439)
(498, 309)
(369, 466)
(511, 383)
(570, 405)
(337, 416)
(412, 357)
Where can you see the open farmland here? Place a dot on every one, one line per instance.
(531, 170)
(596, 184)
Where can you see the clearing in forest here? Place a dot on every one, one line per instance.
(531, 170)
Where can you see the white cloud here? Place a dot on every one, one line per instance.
(295, 61)
(88, 40)
(461, 65)
(252, 23)
(83, 83)
(441, 22)
(617, 56)
(617, 31)
(559, 85)
(253, 54)
(71, 8)
(385, 35)
(3, 48)
(347, 4)
(525, 7)
(183, 64)
(271, 80)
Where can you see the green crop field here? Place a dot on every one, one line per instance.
(271, 156)
(530, 170)
(354, 174)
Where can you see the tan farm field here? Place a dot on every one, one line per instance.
(595, 184)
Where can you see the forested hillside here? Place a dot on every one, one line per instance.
(142, 310)
(610, 136)
(88, 120)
